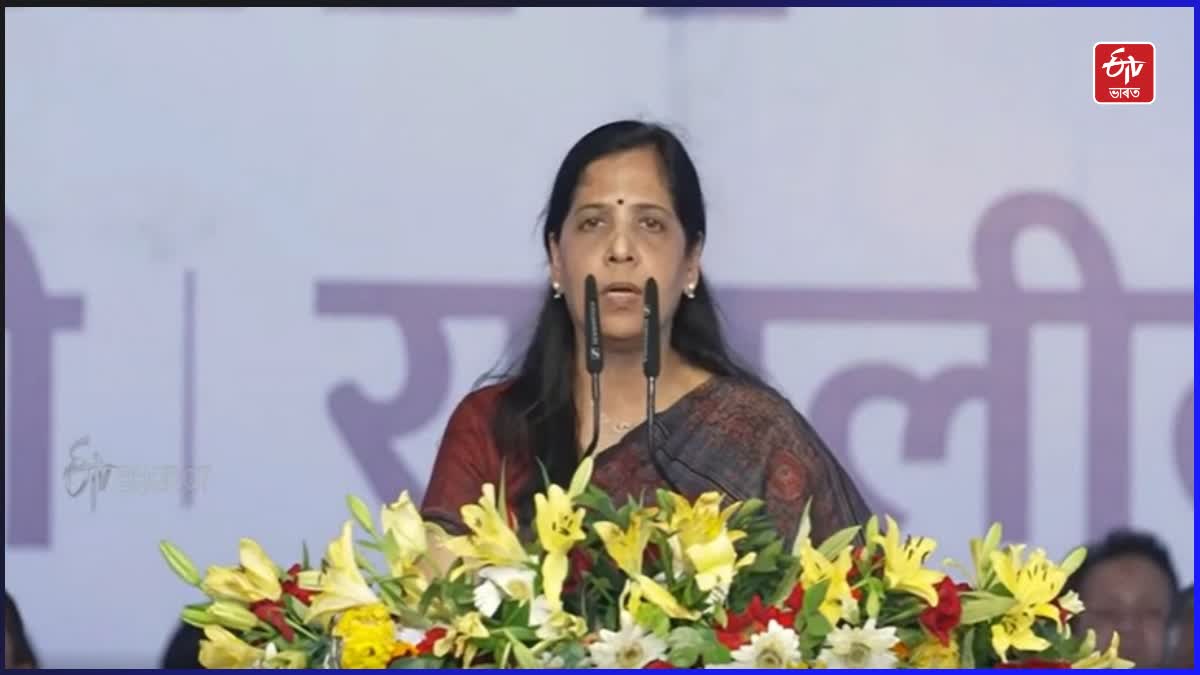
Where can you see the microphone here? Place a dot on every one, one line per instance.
(594, 353)
(651, 361)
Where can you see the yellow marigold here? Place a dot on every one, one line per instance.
(368, 637)
(933, 654)
(402, 649)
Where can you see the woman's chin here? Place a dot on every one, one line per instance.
(623, 337)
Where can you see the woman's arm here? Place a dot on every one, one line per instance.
(467, 459)
(801, 467)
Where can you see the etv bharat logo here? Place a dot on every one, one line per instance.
(1123, 72)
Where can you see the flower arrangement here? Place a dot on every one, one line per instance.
(681, 584)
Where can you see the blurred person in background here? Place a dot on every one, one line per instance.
(1128, 585)
(18, 652)
(1180, 650)
(183, 650)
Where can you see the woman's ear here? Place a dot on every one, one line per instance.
(555, 261)
(693, 262)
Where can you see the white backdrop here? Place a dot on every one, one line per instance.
(271, 249)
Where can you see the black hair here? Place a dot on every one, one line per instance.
(23, 653)
(183, 650)
(536, 416)
(1121, 543)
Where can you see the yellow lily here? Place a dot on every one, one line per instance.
(561, 625)
(816, 568)
(341, 583)
(627, 547)
(491, 542)
(559, 527)
(716, 562)
(701, 522)
(704, 543)
(643, 586)
(458, 638)
(1034, 585)
(288, 659)
(1108, 659)
(222, 649)
(257, 578)
(231, 615)
(904, 564)
(403, 525)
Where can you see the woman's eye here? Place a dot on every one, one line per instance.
(653, 224)
(589, 223)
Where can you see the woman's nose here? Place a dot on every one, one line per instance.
(620, 249)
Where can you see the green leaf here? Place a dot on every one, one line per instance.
(818, 626)
(712, 651)
(911, 636)
(524, 657)
(521, 633)
(874, 601)
(966, 655)
(750, 507)
(304, 555)
(787, 583)
(768, 558)
(665, 502)
(837, 542)
(653, 619)
(805, 528)
(367, 544)
(684, 657)
(361, 513)
(813, 597)
(979, 606)
(685, 644)
(417, 663)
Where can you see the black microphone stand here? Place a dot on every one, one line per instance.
(651, 361)
(594, 355)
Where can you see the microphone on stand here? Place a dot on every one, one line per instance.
(651, 361)
(594, 353)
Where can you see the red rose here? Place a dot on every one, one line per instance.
(944, 618)
(579, 565)
(292, 587)
(739, 626)
(658, 663)
(271, 611)
(795, 600)
(858, 555)
(425, 646)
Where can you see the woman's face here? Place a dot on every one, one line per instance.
(622, 227)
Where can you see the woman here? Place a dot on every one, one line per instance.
(626, 205)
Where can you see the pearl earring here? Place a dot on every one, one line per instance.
(690, 292)
(557, 290)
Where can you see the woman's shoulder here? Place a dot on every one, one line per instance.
(753, 402)
(482, 400)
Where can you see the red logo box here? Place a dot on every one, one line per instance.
(1123, 72)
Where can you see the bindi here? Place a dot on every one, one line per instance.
(620, 201)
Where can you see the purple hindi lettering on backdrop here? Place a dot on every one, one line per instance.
(417, 310)
(1001, 382)
(31, 317)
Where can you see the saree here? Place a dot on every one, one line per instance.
(725, 435)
